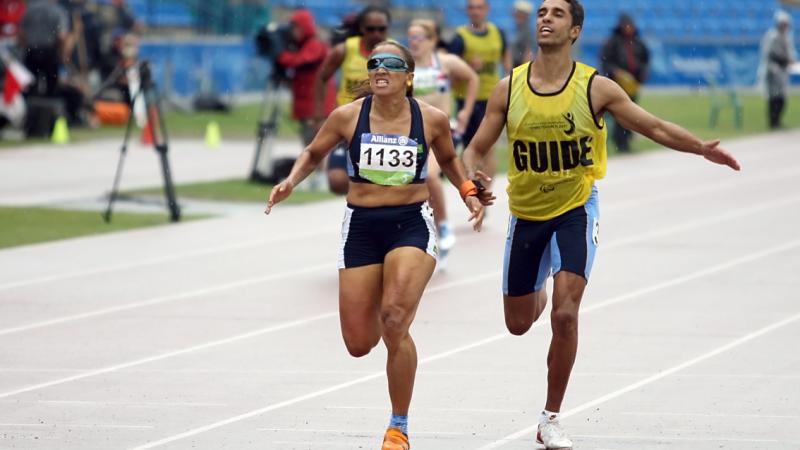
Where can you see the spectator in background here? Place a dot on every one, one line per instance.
(11, 12)
(351, 56)
(483, 46)
(117, 22)
(304, 62)
(82, 59)
(777, 54)
(625, 59)
(522, 47)
(42, 36)
(122, 17)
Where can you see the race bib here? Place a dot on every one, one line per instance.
(388, 159)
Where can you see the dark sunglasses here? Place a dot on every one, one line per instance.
(379, 29)
(388, 61)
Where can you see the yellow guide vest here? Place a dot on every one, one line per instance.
(489, 49)
(354, 70)
(556, 146)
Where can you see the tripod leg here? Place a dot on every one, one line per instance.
(169, 187)
(161, 141)
(267, 126)
(122, 152)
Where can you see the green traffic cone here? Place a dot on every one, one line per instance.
(60, 132)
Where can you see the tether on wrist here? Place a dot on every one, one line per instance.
(467, 189)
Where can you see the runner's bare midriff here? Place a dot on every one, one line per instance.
(371, 195)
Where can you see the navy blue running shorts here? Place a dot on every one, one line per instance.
(368, 234)
(536, 249)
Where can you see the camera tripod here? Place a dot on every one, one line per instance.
(155, 120)
(262, 169)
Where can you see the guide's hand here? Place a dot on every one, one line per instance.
(279, 193)
(484, 195)
(476, 209)
(716, 154)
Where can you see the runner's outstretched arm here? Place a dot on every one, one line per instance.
(488, 132)
(325, 140)
(610, 97)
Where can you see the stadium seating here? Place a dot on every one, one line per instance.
(219, 17)
(675, 20)
(162, 13)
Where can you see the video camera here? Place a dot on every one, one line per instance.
(272, 39)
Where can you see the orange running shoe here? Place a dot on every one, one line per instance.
(394, 439)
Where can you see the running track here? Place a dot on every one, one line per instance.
(224, 333)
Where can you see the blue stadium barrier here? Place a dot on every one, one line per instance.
(231, 65)
(690, 40)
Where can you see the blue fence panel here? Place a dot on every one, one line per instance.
(231, 67)
(674, 64)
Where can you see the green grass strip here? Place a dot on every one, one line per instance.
(29, 225)
(235, 190)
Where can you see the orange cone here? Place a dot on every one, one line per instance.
(147, 134)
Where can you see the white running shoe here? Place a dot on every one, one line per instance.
(552, 436)
(447, 239)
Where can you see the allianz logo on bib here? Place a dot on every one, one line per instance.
(391, 140)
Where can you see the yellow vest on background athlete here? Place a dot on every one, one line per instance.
(556, 146)
(489, 49)
(354, 70)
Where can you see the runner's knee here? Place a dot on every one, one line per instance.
(394, 323)
(360, 346)
(564, 321)
(518, 325)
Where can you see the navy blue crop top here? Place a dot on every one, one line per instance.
(388, 159)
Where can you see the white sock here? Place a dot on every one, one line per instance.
(548, 416)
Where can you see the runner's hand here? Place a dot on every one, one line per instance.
(279, 193)
(476, 208)
(716, 154)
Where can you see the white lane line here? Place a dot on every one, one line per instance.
(771, 376)
(422, 410)
(95, 403)
(672, 438)
(619, 242)
(721, 186)
(165, 258)
(356, 432)
(183, 351)
(680, 414)
(259, 242)
(463, 348)
(76, 425)
(165, 299)
(691, 224)
(651, 379)
(260, 411)
(308, 445)
(248, 335)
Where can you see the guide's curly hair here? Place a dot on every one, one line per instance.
(363, 89)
